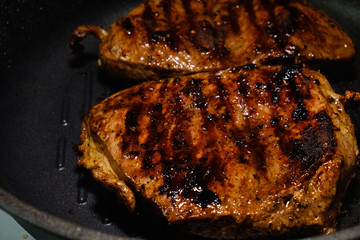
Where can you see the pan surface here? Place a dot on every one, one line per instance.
(44, 94)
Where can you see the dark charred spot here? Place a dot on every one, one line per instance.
(274, 121)
(316, 140)
(247, 67)
(210, 117)
(127, 25)
(164, 36)
(243, 86)
(151, 157)
(134, 154)
(194, 89)
(131, 120)
(299, 114)
(226, 116)
(251, 149)
(183, 157)
(287, 198)
(260, 85)
(195, 186)
(275, 94)
(206, 197)
(242, 159)
(239, 141)
(195, 82)
(157, 107)
(317, 82)
(178, 141)
(190, 182)
(322, 116)
(289, 72)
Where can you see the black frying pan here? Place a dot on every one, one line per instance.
(44, 94)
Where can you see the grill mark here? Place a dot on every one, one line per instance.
(186, 4)
(250, 147)
(167, 36)
(271, 24)
(198, 177)
(261, 39)
(249, 8)
(248, 141)
(219, 48)
(277, 85)
(291, 77)
(287, 22)
(149, 21)
(187, 175)
(211, 121)
(272, 27)
(233, 18)
(223, 94)
(203, 36)
(220, 31)
(296, 82)
(166, 6)
(194, 89)
(282, 26)
(189, 13)
(154, 153)
(131, 122)
(170, 36)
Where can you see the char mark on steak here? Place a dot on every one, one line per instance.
(165, 38)
(230, 154)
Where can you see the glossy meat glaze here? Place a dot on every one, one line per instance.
(243, 152)
(163, 38)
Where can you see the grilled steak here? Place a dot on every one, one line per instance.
(244, 152)
(163, 38)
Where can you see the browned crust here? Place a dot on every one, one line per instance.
(166, 38)
(306, 197)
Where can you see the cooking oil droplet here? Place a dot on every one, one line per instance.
(105, 221)
(82, 196)
(65, 123)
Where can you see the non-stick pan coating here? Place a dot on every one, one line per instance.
(44, 94)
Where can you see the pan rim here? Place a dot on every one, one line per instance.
(51, 223)
(64, 228)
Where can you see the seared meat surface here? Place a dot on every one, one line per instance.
(238, 153)
(163, 38)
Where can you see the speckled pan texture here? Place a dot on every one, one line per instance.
(45, 93)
